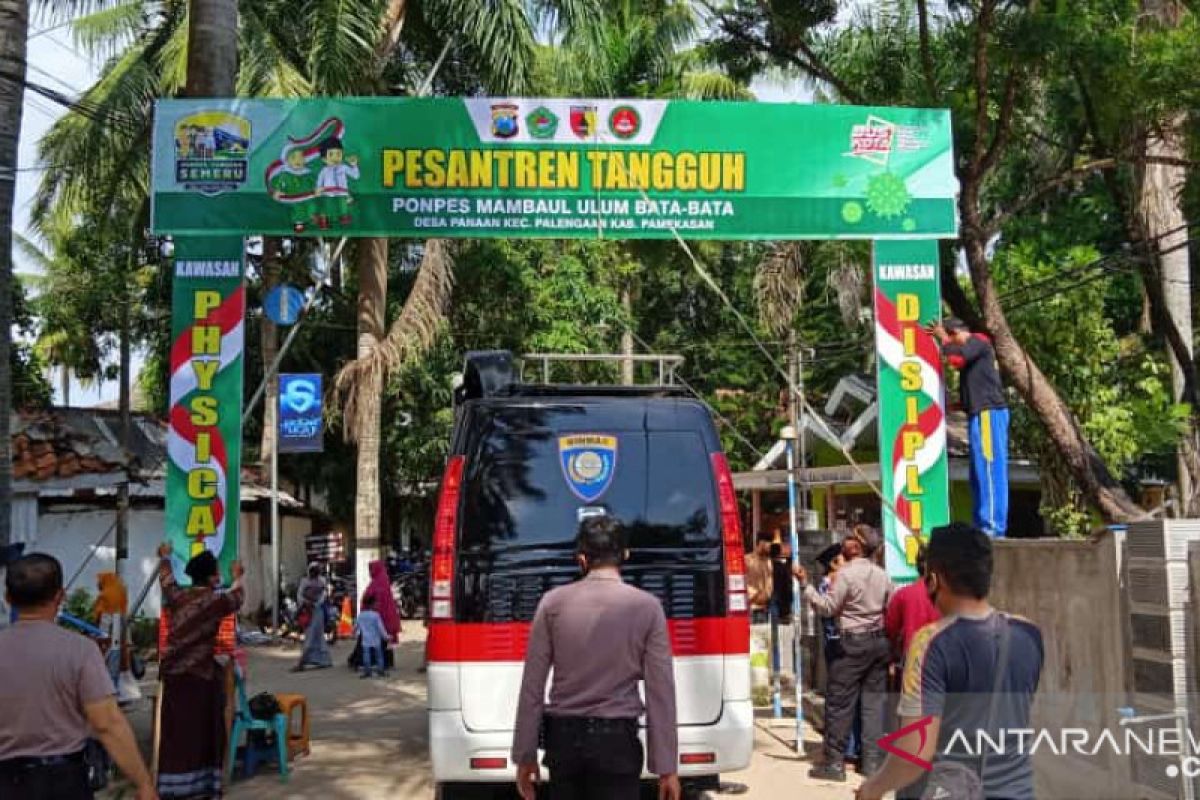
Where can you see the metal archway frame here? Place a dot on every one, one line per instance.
(551, 168)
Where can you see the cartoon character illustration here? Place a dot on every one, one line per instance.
(333, 191)
(292, 179)
(293, 183)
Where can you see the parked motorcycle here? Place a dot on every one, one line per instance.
(409, 590)
(337, 592)
(289, 610)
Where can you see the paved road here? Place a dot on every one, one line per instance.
(369, 737)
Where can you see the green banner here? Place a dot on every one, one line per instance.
(484, 167)
(204, 440)
(912, 425)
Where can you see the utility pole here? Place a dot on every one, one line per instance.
(125, 424)
(124, 401)
(627, 375)
(796, 500)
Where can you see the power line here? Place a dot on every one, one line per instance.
(708, 279)
(1098, 263)
(53, 77)
(1105, 272)
(732, 428)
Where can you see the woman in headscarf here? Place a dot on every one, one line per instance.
(311, 597)
(192, 733)
(380, 588)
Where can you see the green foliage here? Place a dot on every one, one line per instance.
(143, 632)
(1093, 75)
(1118, 390)
(30, 390)
(79, 604)
(1088, 79)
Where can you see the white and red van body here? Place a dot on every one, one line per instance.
(509, 507)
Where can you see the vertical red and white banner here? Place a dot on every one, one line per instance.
(913, 470)
(204, 438)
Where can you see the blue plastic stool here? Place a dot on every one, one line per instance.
(243, 723)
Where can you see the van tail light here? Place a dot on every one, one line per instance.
(731, 533)
(441, 573)
(698, 758)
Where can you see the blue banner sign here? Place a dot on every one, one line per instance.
(301, 424)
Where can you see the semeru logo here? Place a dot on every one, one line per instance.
(212, 151)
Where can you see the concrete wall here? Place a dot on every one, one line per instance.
(1071, 590)
(70, 534)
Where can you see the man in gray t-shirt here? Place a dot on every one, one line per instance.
(55, 693)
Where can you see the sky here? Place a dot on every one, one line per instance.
(55, 63)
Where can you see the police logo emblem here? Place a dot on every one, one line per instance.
(589, 462)
(505, 123)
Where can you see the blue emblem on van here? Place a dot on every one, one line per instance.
(589, 462)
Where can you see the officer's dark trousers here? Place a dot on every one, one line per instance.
(57, 782)
(593, 759)
(858, 670)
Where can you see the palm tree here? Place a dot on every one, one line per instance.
(14, 30)
(310, 47)
(358, 48)
(65, 340)
(637, 49)
(212, 52)
(14, 27)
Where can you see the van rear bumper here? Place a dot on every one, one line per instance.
(452, 746)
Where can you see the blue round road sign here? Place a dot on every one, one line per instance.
(283, 304)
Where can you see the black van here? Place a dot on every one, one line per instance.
(528, 463)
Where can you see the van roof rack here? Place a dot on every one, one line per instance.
(495, 373)
(667, 363)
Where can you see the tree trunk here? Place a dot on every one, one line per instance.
(372, 261)
(627, 374)
(124, 379)
(64, 384)
(212, 61)
(251, 550)
(1084, 463)
(14, 27)
(1160, 217)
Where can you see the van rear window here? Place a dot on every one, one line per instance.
(518, 496)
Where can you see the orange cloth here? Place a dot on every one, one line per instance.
(113, 598)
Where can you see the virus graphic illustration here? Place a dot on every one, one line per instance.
(852, 212)
(909, 225)
(840, 181)
(886, 195)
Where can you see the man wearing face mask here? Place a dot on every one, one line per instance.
(601, 637)
(858, 672)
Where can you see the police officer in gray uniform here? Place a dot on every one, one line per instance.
(601, 637)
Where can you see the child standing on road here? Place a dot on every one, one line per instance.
(369, 626)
